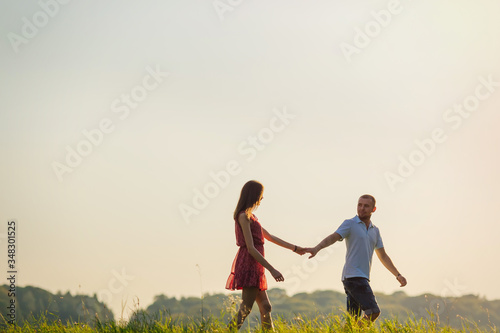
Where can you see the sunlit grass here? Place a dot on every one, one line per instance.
(163, 322)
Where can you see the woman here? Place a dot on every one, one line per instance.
(247, 273)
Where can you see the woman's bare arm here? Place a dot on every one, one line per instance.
(247, 234)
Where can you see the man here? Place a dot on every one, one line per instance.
(362, 238)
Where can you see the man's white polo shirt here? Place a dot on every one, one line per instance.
(360, 243)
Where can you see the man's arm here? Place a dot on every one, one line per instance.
(387, 262)
(324, 243)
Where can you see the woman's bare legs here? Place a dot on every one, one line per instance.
(265, 310)
(248, 296)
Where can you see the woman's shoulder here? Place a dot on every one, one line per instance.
(241, 215)
(251, 219)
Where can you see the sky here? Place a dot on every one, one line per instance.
(127, 130)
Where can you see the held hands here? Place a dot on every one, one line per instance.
(300, 250)
(312, 250)
(303, 250)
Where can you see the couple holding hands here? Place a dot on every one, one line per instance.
(247, 272)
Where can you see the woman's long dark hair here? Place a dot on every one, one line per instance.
(249, 198)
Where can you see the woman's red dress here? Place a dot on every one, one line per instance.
(246, 271)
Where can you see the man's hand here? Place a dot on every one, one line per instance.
(312, 250)
(401, 280)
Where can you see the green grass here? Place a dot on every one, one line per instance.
(143, 322)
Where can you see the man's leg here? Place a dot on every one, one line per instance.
(353, 307)
(359, 290)
(372, 316)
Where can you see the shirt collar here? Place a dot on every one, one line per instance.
(358, 220)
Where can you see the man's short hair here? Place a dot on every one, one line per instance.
(367, 196)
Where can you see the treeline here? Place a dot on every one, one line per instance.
(31, 303)
(453, 311)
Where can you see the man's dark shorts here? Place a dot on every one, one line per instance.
(360, 296)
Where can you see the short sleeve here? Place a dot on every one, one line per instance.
(344, 230)
(379, 244)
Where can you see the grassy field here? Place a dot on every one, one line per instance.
(165, 323)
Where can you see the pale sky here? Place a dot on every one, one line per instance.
(320, 101)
